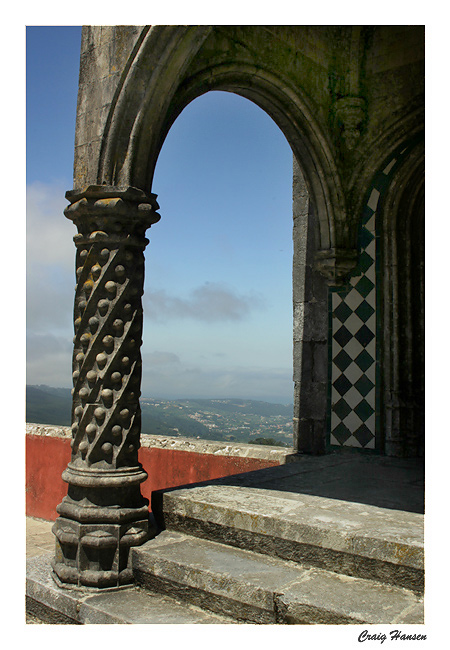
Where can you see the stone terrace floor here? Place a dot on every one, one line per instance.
(40, 538)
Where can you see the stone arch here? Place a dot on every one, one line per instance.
(149, 99)
(399, 133)
(145, 88)
(402, 211)
(145, 106)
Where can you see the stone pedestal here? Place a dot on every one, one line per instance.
(104, 513)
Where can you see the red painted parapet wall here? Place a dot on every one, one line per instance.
(168, 462)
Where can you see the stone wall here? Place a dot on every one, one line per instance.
(169, 462)
(105, 51)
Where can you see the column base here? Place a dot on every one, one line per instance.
(93, 541)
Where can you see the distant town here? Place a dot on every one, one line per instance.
(219, 419)
(237, 420)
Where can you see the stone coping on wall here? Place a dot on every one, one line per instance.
(217, 448)
(47, 430)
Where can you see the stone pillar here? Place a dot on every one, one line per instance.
(310, 302)
(104, 513)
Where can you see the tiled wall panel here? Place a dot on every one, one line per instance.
(354, 399)
(354, 346)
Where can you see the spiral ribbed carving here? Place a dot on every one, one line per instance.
(106, 360)
(104, 513)
(108, 329)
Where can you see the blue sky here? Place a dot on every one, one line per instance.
(217, 302)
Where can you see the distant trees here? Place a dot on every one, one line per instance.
(268, 441)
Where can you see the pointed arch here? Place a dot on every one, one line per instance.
(151, 95)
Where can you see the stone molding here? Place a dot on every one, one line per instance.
(400, 131)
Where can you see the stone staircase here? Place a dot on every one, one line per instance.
(312, 560)
(233, 551)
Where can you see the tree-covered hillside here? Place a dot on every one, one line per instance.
(236, 420)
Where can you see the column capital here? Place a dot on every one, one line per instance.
(96, 192)
(101, 211)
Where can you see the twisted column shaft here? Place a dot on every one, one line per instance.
(104, 512)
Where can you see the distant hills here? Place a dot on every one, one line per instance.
(46, 405)
(237, 420)
(248, 406)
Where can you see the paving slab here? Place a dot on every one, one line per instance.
(321, 593)
(48, 602)
(394, 536)
(261, 589)
(179, 564)
(39, 537)
(393, 483)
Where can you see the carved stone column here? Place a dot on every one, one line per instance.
(104, 513)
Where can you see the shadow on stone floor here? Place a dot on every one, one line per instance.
(372, 480)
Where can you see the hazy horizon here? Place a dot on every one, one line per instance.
(166, 398)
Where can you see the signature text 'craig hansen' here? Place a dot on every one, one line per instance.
(394, 635)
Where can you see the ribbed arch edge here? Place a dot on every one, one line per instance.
(398, 206)
(155, 91)
(401, 133)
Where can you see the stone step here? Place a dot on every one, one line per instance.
(255, 588)
(353, 539)
(49, 603)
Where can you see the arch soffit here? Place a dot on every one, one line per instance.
(405, 188)
(294, 117)
(151, 96)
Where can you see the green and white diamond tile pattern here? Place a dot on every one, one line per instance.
(353, 346)
(353, 328)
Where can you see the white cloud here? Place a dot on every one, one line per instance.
(50, 292)
(160, 358)
(49, 233)
(50, 285)
(50, 260)
(210, 302)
